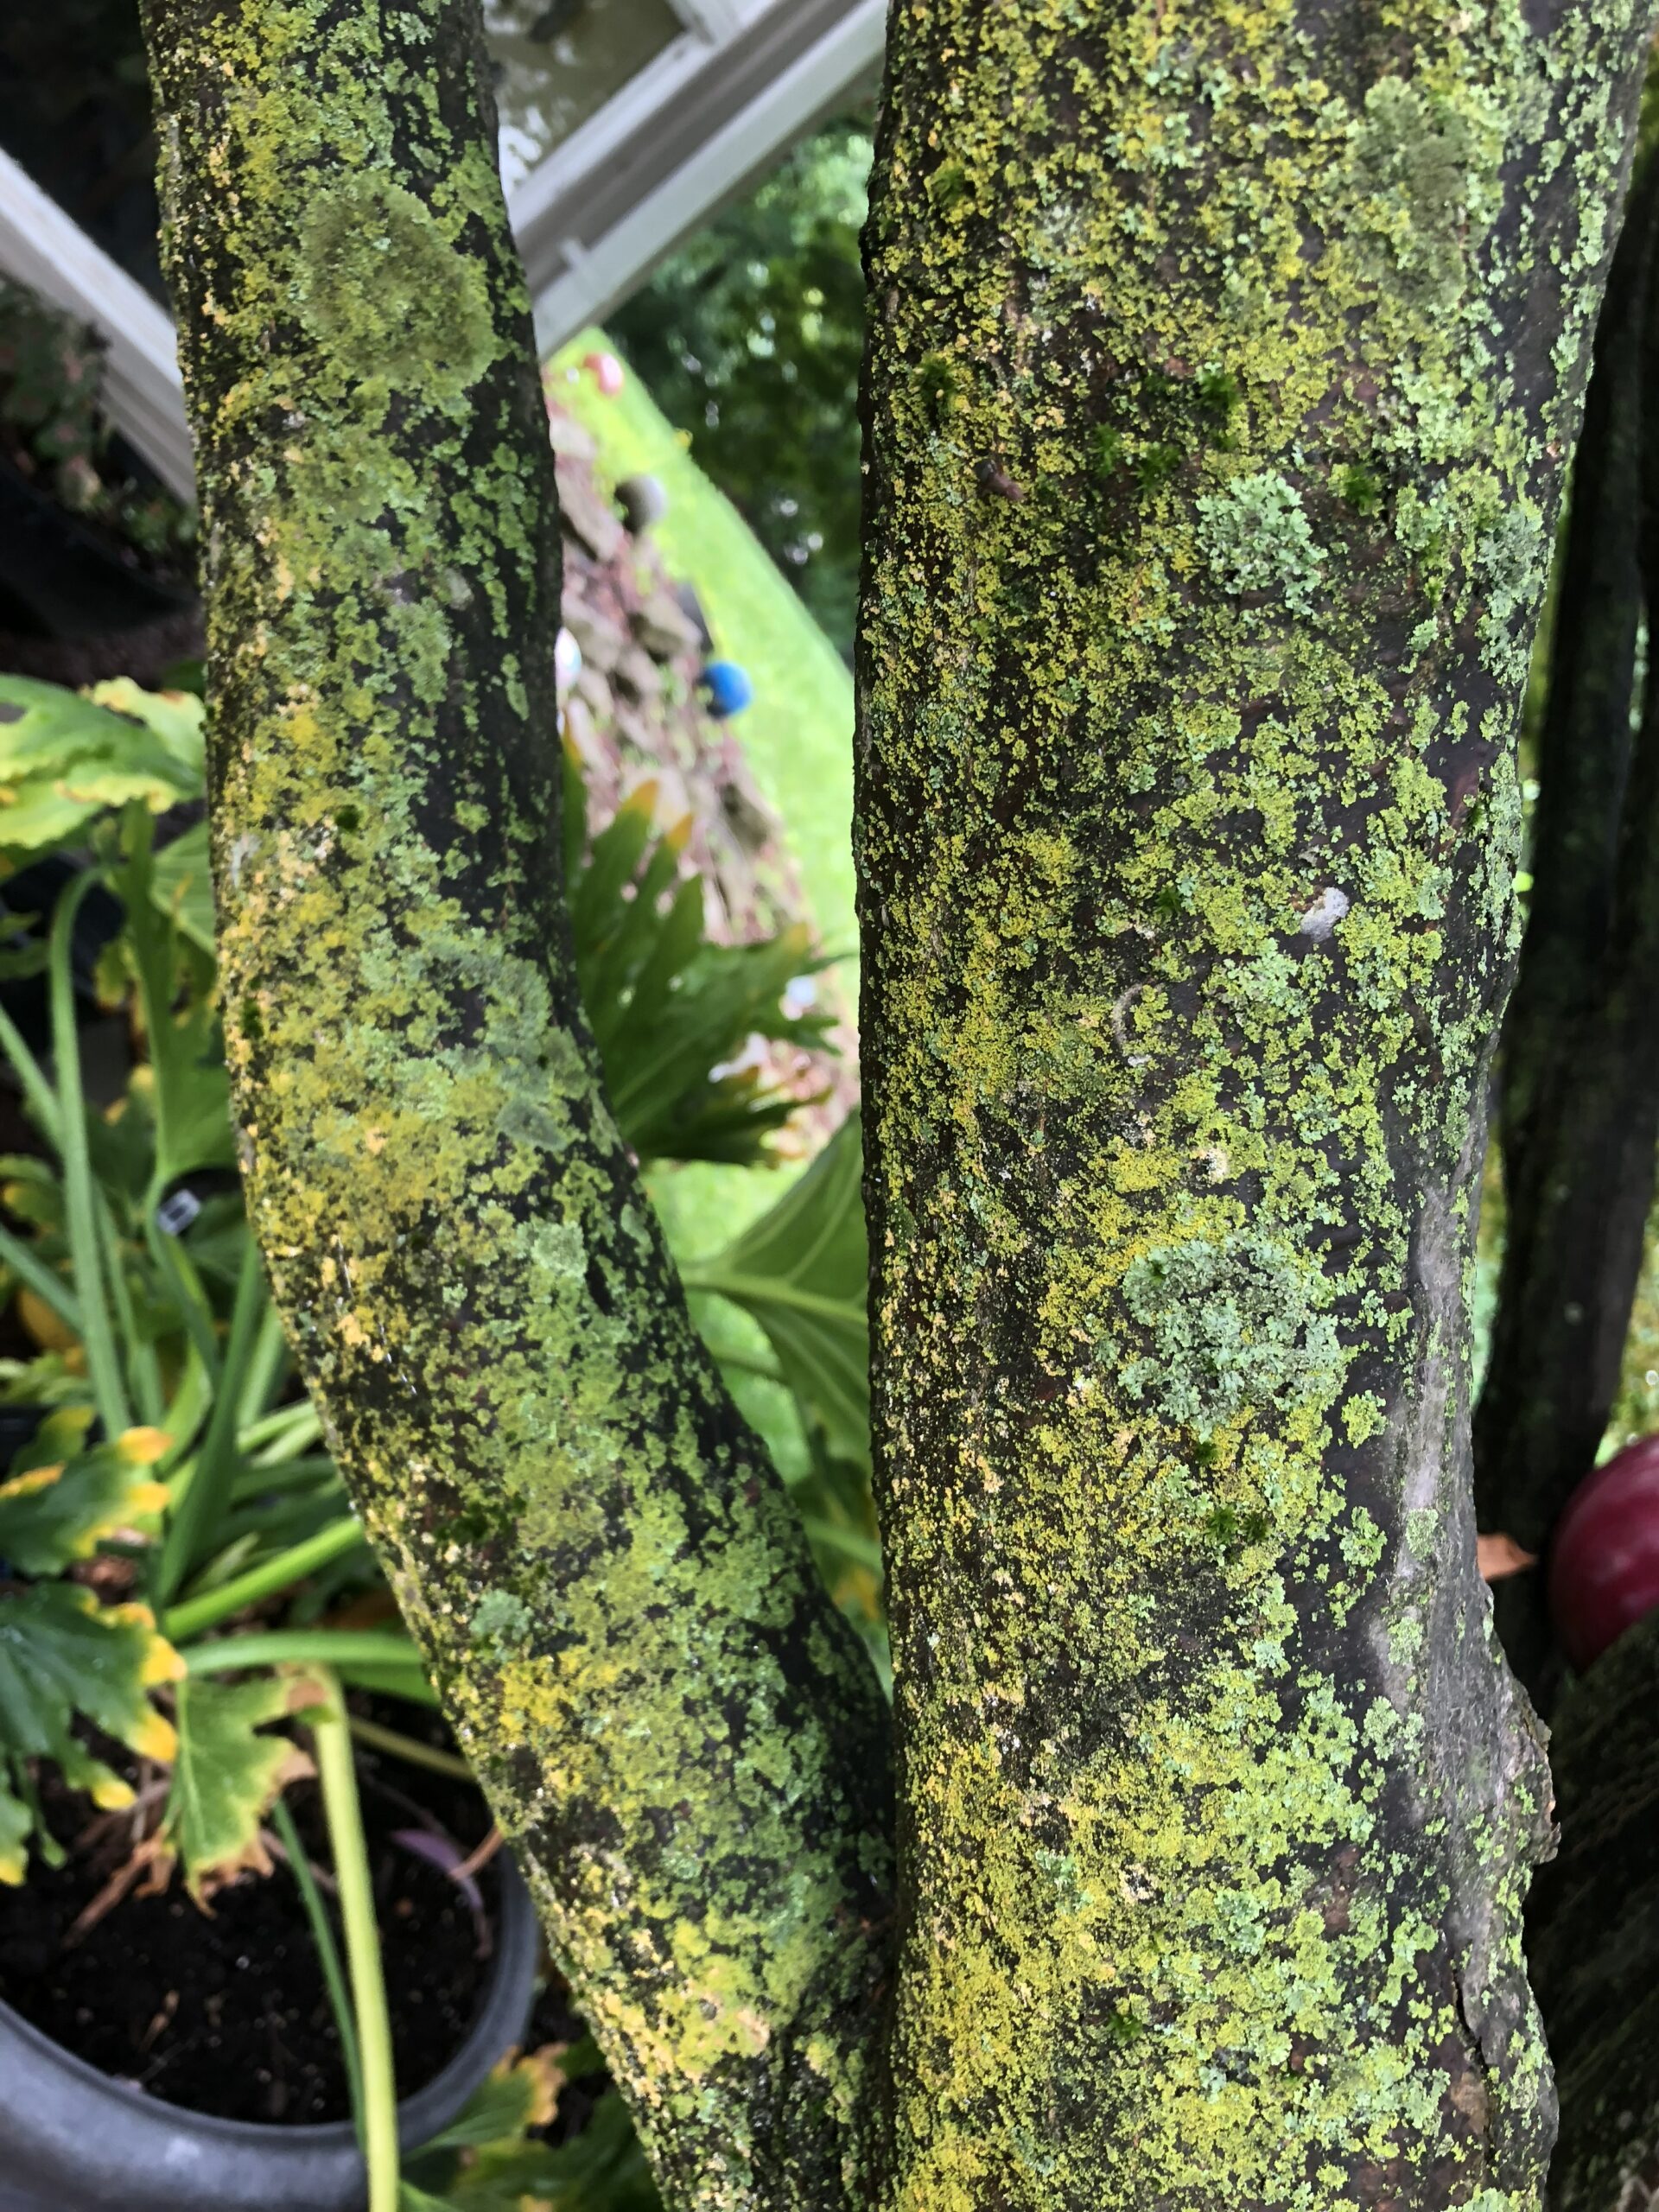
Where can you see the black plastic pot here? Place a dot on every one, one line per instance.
(73, 2140)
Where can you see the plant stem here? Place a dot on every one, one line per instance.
(263, 1581)
(174, 1266)
(265, 1368)
(79, 1192)
(766, 1290)
(207, 1495)
(50, 1289)
(281, 1435)
(337, 1777)
(144, 1371)
(42, 1099)
(333, 1974)
(406, 1748)
(382, 1649)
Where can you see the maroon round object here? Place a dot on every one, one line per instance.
(1603, 1560)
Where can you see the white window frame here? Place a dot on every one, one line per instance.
(684, 135)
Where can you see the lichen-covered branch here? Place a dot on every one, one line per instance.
(1580, 1102)
(1225, 361)
(679, 1735)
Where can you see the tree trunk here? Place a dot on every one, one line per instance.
(1593, 1934)
(1224, 364)
(681, 1737)
(1578, 1115)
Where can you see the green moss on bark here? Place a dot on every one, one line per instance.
(1188, 818)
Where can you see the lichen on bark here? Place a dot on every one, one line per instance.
(682, 1739)
(1224, 362)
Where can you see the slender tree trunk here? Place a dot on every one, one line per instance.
(1224, 362)
(681, 1737)
(1579, 1116)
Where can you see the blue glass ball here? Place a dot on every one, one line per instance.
(730, 688)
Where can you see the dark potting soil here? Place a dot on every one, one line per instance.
(225, 2011)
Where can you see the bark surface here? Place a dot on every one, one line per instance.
(681, 1737)
(1592, 1933)
(1578, 1114)
(1224, 361)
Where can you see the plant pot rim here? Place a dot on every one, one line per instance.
(75, 2140)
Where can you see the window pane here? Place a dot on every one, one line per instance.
(558, 62)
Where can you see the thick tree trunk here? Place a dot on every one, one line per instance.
(1224, 363)
(681, 1737)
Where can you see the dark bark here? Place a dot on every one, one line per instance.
(1579, 1105)
(1592, 1933)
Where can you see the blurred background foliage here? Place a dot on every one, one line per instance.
(750, 338)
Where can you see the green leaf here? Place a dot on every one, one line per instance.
(801, 1271)
(499, 2107)
(191, 1098)
(181, 884)
(63, 1656)
(177, 718)
(53, 1512)
(228, 1772)
(601, 2170)
(16, 1825)
(672, 1015)
(65, 759)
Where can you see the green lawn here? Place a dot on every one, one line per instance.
(797, 736)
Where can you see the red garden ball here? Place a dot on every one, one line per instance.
(1603, 1565)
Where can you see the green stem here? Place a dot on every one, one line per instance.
(144, 1369)
(80, 1191)
(264, 1580)
(739, 1363)
(382, 1648)
(279, 1477)
(406, 1748)
(174, 1266)
(207, 1495)
(42, 1099)
(765, 1290)
(864, 1550)
(281, 1435)
(50, 1289)
(338, 1778)
(265, 1370)
(333, 1974)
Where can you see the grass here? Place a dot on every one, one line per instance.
(797, 737)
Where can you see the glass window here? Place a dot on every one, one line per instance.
(558, 62)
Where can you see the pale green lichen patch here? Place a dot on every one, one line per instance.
(1256, 536)
(1231, 1327)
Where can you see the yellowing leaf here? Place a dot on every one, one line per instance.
(227, 1774)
